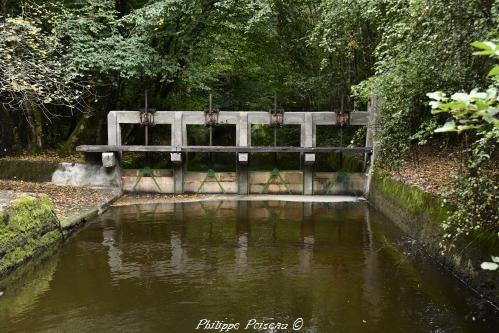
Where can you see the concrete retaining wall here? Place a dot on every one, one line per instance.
(420, 216)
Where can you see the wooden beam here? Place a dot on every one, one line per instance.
(220, 149)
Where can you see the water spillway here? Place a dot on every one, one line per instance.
(164, 267)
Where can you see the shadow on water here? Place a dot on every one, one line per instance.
(164, 267)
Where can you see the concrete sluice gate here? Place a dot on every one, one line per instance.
(324, 183)
(179, 179)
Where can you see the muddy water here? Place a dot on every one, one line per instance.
(252, 265)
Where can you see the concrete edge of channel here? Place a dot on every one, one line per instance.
(71, 223)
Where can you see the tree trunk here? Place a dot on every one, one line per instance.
(68, 146)
(34, 119)
(37, 117)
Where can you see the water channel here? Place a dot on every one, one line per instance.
(167, 267)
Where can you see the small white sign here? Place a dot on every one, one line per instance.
(243, 157)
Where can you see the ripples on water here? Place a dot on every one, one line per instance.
(165, 267)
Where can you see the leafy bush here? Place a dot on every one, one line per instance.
(475, 189)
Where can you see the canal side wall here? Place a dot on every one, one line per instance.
(28, 226)
(420, 215)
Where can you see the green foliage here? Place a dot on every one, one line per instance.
(99, 55)
(477, 110)
(475, 190)
(491, 266)
(32, 73)
(424, 46)
(97, 48)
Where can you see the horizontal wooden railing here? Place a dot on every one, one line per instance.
(220, 149)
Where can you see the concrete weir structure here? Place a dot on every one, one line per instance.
(243, 181)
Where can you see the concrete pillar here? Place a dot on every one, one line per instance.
(114, 139)
(113, 129)
(177, 141)
(373, 109)
(243, 132)
(307, 138)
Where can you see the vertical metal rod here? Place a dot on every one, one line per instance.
(146, 129)
(275, 129)
(211, 142)
(145, 114)
(211, 132)
(341, 145)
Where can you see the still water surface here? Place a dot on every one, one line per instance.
(166, 267)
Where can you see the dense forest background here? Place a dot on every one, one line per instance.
(65, 63)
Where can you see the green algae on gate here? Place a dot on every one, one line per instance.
(28, 227)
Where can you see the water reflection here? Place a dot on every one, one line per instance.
(307, 236)
(22, 289)
(242, 237)
(113, 251)
(163, 267)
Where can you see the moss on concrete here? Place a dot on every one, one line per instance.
(24, 287)
(413, 199)
(31, 227)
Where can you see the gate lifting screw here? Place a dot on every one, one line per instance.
(147, 114)
(342, 119)
(211, 115)
(276, 115)
(277, 118)
(147, 118)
